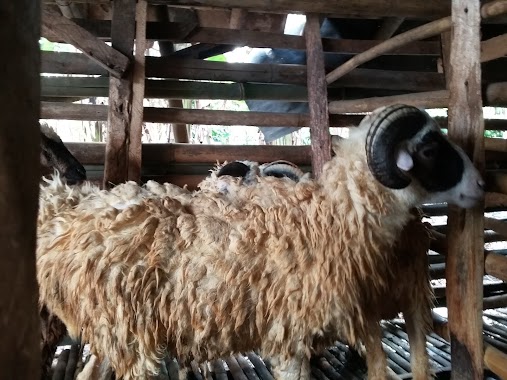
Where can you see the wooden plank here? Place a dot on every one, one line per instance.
(430, 9)
(494, 302)
(138, 84)
(496, 361)
(19, 179)
(71, 111)
(179, 32)
(465, 264)
(164, 67)
(167, 154)
(495, 94)
(496, 225)
(432, 99)
(317, 96)
(496, 265)
(107, 57)
(425, 31)
(494, 48)
(120, 96)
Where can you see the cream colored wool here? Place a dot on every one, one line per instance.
(285, 268)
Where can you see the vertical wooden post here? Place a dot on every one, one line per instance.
(136, 127)
(317, 96)
(19, 179)
(120, 96)
(180, 131)
(465, 259)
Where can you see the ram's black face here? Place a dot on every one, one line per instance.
(55, 155)
(437, 164)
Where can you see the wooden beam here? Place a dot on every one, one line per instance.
(120, 96)
(19, 181)
(428, 30)
(494, 48)
(464, 264)
(164, 67)
(54, 24)
(496, 225)
(362, 8)
(179, 32)
(138, 82)
(495, 94)
(494, 302)
(167, 154)
(432, 99)
(496, 265)
(71, 111)
(317, 96)
(496, 361)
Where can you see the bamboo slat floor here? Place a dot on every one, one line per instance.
(335, 363)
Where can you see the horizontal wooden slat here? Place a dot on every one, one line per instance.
(166, 67)
(164, 154)
(71, 111)
(496, 265)
(429, 9)
(179, 32)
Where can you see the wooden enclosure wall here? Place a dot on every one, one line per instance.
(19, 179)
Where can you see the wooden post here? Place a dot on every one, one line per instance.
(465, 258)
(19, 178)
(317, 96)
(120, 96)
(136, 127)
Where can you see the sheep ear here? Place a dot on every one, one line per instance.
(404, 160)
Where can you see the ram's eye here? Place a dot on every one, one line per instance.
(428, 153)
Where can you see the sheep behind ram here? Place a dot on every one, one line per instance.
(283, 268)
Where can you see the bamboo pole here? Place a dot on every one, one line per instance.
(494, 94)
(430, 29)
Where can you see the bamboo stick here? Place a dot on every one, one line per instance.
(433, 28)
(428, 30)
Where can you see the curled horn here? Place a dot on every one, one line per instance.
(282, 168)
(389, 127)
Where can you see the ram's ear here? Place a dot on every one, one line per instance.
(335, 144)
(404, 160)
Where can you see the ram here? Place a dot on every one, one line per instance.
(283, 268)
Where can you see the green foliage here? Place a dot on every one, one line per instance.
(46, 45)
(217, 58)
(220, 135)
(493, 134)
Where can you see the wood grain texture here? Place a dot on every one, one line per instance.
(120, 96)
(19, 180)
(55, 26)
(430, 9)
(317, 96)
(465, 262)
(138, 89)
